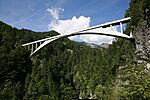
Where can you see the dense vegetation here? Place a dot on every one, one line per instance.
(67, 70)
(136, 73)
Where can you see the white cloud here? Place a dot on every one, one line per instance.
(71, 25)
(54, 12)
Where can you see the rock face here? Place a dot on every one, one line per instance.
(142, 40)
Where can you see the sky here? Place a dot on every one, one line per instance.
(63, 15)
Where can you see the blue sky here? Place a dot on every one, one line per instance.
(34, 14)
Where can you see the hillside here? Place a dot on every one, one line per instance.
(68, 70)
(62, 70)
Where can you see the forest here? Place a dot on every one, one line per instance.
(69, 70)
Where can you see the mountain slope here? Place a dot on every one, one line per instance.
(55, 72)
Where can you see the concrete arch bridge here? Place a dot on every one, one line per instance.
(99, 30)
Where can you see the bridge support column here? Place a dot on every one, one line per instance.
(28, 47)
(121, 28)
(36, 45)
(111, 27)
(32, 49)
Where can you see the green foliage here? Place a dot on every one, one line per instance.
(139, 11)
(15, 64)
(138, 82)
